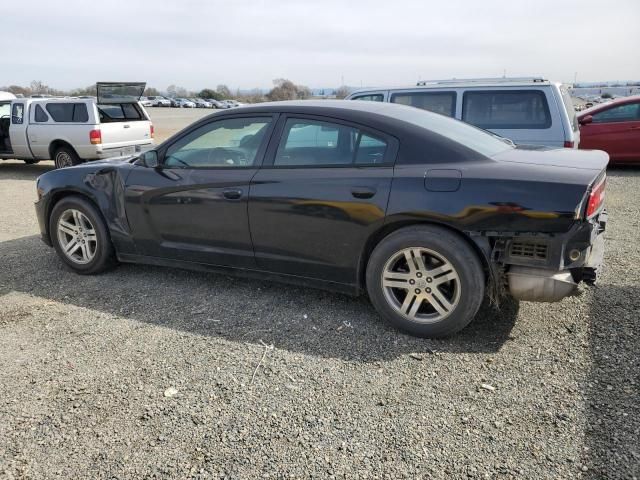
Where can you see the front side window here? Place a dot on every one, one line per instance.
(17, 113)
(68, 112)
(506, 109)
(375, 97)
(621, 113)
(438, 102)
(317, 143)
(226, 143)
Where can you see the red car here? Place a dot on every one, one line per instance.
(613, 127)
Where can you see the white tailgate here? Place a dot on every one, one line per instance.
(121, 134)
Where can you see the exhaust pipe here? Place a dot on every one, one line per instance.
(540, 285)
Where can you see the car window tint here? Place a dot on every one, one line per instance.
(622, 113)
(318, 143)
(120, 112)
(438, 102)
(501, 109)
(68, 112)
(40, 115)
(225, 143)
(376, 97)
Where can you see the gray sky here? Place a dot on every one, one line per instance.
(247, 44)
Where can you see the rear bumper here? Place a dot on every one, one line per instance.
(573, 258)
(108, 151)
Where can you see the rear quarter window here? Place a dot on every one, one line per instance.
(120, 112)
(506, 109)
(375, 97)
(68, 112)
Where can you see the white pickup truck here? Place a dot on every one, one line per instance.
(73, 130)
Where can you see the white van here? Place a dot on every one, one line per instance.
(73, 130)
(531, 111)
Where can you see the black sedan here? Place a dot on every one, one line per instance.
(426, 214)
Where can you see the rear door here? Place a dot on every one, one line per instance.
(18, 129)
(322, 192)
(615, 130)
(194, 206)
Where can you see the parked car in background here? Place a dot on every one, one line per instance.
(73, 130)
(214, 103)
(174, 102)
(224, 104)
(185, 103)
(200, 103)
(146, 102)
(530, 111)
(158, 101)
(613, 127)
(425, 213)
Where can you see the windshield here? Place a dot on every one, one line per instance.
(472, 137)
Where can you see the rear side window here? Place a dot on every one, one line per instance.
(438, 102)
(317, 143)
(40, 115)
(622, 113)
(68, 112)
(506, 109)
(120, 112)
(376, 97)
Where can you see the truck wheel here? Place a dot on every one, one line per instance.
(66, 157)
(31, 161)
(425, 280)
(80, 236)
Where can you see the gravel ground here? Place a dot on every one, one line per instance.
(157, 373)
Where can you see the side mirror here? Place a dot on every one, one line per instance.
(150, 159)
(586, 119)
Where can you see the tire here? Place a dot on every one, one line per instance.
(31, 161)
(438, 294)
(82, 221)
(66, 157)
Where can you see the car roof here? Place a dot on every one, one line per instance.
(604, 106)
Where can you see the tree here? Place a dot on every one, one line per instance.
(287, 90)
(208, 93)
(224, 91)
(38, 87)
(175, 91)
(342, 92)
(151, 92)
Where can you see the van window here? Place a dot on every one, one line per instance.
(120, 112)
(40, 115)
(375, 97)
(68, 112)
(498, 109)
(438, 102)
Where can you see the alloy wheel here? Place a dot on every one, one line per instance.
(421, 284)
(77, 236)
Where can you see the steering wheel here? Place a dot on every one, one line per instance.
(226, 156)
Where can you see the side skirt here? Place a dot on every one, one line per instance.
(346, 288)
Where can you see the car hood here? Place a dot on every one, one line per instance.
(557, 157)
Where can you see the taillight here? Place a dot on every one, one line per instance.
(151, 129)
(568, 144)
(596, 198)
(95, 137)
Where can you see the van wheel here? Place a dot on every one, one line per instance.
(31, 161)
(80, 236)
(425, 280)
(66, 157)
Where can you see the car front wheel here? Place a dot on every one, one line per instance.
(425, 280)
(80, 236)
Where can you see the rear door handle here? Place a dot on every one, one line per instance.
(363, 192)
(232, 193)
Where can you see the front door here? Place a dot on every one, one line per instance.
(193, 207)
(322, 192)
(615, 130)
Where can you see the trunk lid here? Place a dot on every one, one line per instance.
(596, 160)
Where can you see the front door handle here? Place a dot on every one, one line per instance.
(363, 192)
(232, 193)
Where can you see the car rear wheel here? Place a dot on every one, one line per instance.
(425, 280)
(80, 236)
(66, 157)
